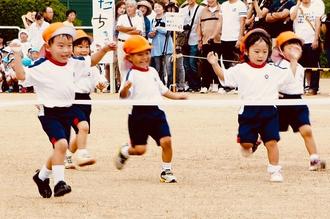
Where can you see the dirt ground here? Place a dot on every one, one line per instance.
(214, 181)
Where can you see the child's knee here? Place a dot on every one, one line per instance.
(61, 146)
(83, 126)
(165, 142)
(246, 145)
(305, 131)
(140, 150)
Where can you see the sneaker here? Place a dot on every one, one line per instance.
(315, 165)
(167, 176)
(61, 188)
(68, 163)
(203, 90)
(221, 91)
(43, 186)
(120, 158)
(85, 159)
(276, 176)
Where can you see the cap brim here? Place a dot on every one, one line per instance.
(64, 30)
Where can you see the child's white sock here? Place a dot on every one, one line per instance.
(314, 157)
(166, 166)
(58, 173)
(81, 152)
(273, 168)
(124, 150)
(44, 173)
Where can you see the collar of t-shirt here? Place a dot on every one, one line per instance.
(256, 65)
(52, 60)
(212, 9)
(140, 69)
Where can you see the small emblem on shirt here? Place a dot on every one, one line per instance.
(266, 76)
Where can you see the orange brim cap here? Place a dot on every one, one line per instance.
(56, 29)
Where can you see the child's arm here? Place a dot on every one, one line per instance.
(212, 58)
(175, 96)
(96, 57)
(124, 92)
(17, 62)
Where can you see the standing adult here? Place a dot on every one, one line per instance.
(209, 27)
(36, 29)
(233, 15)
(306, 24)
(278, 17)
(256, 14)
(128, 24)
(70, 17)
(326, 30)
(48, 14)
(191, 13)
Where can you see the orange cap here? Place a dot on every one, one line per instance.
(285, 37)
(82, 34)
(135, 44)
(56, 29)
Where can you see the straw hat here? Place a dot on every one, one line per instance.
(146, 4)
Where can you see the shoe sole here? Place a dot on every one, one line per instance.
(164, 181)
(87, 163)
(71, 167)
(62, 192)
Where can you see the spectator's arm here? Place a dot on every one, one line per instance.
(294, 11)
(125, 29)
(241, 31)
(315, 43)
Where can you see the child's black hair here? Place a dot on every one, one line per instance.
(81, 40)
(292, 41)
(255, 37)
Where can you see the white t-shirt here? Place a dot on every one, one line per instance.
(296, 86)
(301, 27)
(231, 15)
(35, 34)
(137, 21)
(86, 80)
(54, 84)
(193, 37)
(256, 84)
(146, 85)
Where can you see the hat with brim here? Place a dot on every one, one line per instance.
(29, 16)
(286, 36)
(56, 29)
(82, 34)
(147, 5)
(135, 44)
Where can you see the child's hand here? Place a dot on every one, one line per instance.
(101, 85)
(212, 58)
(127, 85)
(110, 47)
(294, 53)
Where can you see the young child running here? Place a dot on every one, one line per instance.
(256, 81)
(290, 50)
(143, 83)
(53, 78)
(85, 83)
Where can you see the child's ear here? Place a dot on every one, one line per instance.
(128, 57)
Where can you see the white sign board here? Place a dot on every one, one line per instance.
(102, 22)
(174, 21)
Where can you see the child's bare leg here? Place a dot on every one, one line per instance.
(82, 135)
(307, 134)
(167, 152)
(73, 143)
(246, 149)
(137, 150)
(273, 157)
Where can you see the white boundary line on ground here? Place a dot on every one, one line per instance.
(192, 103)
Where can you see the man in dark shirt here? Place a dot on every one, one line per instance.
(278, 17)
(325, 28)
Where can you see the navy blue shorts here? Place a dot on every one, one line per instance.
(86, 109)
(57, 121)
(294, 116)
(145, 121)
(262, 120)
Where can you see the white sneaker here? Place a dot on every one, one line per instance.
(68, 163)
(276, 177)
(84, 159)
(246, 152)
(167, 176)
(221, 91)
(315, 165)
(120, 159)
(203, 90)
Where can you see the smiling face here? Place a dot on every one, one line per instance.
(60, 48)
(258, 52)
(140, 59)
(83, 49)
